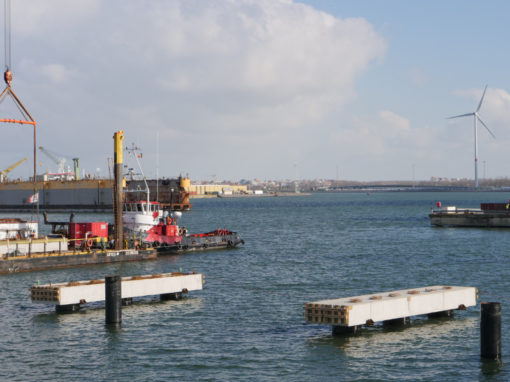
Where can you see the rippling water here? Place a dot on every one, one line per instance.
(247, 323)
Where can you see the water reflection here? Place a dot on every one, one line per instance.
(386, 339)
(112, 331)
(140, 307)
(490, 366)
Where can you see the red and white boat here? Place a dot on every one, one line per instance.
(161, 230)
(168, 237)
(146, 222)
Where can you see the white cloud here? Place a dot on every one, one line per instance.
(377, 136)
(494, 110)
(230, 78)
(396, 124)
(383, 143)
(277, 62)
(497, 106)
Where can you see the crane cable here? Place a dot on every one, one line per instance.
(7, 33)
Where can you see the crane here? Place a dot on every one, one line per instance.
(9, 169)
(8, 92)
(62, 161)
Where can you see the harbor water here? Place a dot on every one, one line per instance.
(247, 323)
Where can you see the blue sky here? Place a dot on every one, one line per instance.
(440, 56)
(265, 89)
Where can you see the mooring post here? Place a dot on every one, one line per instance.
(490, 330)
(113, 299)
(118, 139)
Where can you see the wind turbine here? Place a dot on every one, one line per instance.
(477, 118)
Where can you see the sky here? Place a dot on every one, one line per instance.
(267, 89)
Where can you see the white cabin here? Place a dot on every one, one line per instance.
(141, 216)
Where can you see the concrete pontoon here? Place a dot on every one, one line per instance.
(348, 314)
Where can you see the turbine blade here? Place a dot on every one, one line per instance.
(481, 99)
(462, 115)
(490, 132)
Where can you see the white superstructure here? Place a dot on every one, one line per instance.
(18, 229)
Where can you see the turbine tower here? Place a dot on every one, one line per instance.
(477, 118)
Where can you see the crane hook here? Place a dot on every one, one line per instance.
(8, 77)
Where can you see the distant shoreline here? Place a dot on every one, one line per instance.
(237, 196)
(414, 189)
(355, 190)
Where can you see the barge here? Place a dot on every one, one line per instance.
(489, 215)
(91, 195)
(22, 250)
(94, 195)
(11, 263)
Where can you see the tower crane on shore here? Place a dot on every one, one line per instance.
(9, 169)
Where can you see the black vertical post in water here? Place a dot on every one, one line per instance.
(490, 330)
(113, 299)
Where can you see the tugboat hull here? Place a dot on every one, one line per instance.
(201, 243)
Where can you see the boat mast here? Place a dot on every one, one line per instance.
(132, 150)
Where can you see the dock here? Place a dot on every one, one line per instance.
(14, 262)
(69, 296)
(348, 314)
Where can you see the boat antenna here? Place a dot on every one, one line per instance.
(157, 166)
(133, 151)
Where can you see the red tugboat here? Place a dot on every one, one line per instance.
(168, 237)
(147, 224)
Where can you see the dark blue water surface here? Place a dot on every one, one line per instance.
(247, 323)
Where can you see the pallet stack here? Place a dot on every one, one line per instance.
(45, 293)
(327, 314)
